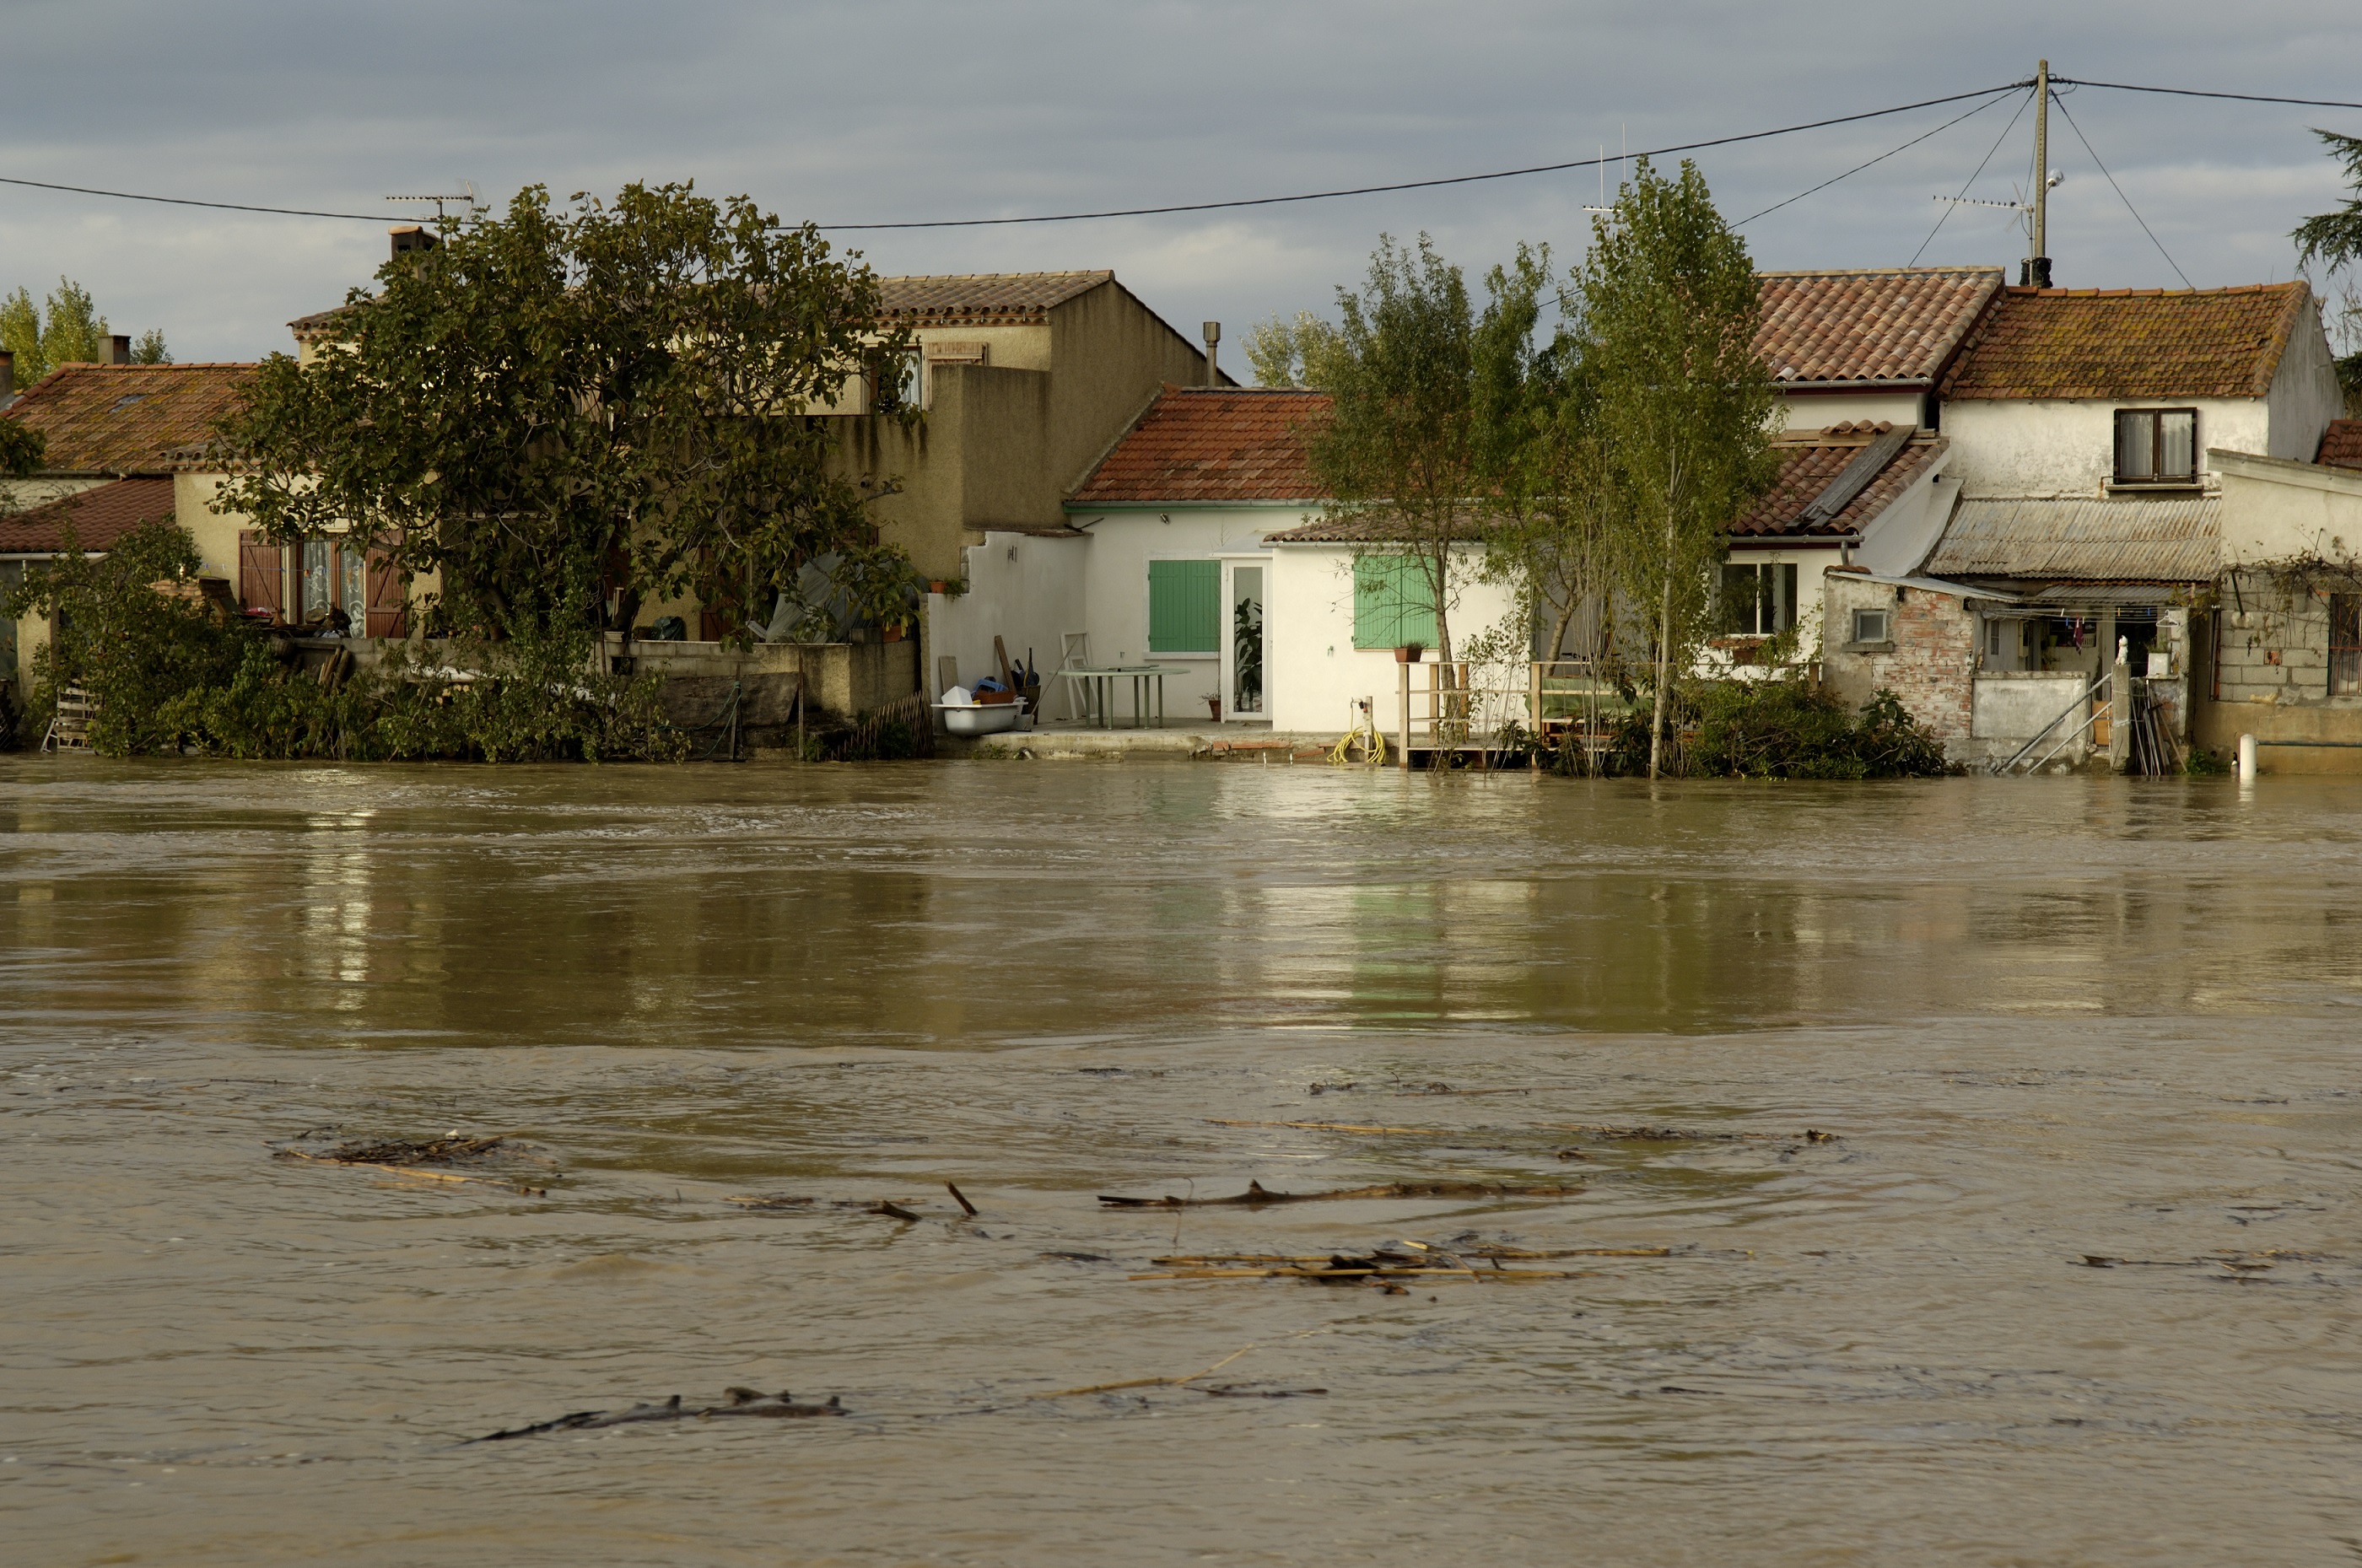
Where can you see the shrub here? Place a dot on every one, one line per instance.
(1785, 729)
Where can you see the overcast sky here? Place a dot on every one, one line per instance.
(905, 109)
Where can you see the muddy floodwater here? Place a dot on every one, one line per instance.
(1949, 1173)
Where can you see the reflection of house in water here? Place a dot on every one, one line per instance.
(2093, 436)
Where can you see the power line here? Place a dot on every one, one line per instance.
(1973, 179)
(2153, 239)
(1882, 158)
(2196, 93)
(191, 202)
(1422, 184)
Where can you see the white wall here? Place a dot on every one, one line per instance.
(1025, 587)
(1312, 672)
(2277, 510)
(1895, 541)
(2304, 395)
(1818, 410)
(2068, 445)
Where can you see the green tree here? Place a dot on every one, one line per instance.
(1684, 405)
(2334, 238)
(1429, 396)
(1292, 353)
(556, 405)
(65, 329)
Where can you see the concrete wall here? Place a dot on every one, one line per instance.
(1312, 672)
(2016, 706)
(1024, 587)
(846, 679)
(215, 532)
(1109, 355)
(2277, 510)
(2068, 446)
(1895, 541)
(1930, 666)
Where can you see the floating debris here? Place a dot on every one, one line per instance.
(412, 1158)
(781, 1405)
(1337, 1127)
(1383, 1268)
(1257, 1195)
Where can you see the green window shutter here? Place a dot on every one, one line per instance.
(1185, 607)
(1392, 604)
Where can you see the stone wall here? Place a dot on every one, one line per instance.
(2269, 675)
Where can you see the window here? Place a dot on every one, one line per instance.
(897, 383)
(1759, 598)
(1185, 607)
(1873, 626)
(334, 578)
(2345, 644)
(2157, 446)
(1393, 603)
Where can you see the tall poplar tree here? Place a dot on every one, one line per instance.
(1683, 403)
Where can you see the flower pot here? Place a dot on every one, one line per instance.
(891, 635)
(1215, 705)
(938, 586)
(1408, 653)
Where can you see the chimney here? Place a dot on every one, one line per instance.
(8, 378)
(411, 239)
(118, 350)
(1213, 348)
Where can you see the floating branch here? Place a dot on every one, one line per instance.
(1256, 1194)
(1337, 1127)
(738, 1402)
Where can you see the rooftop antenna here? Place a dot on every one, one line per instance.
(1603, 206)
(467, 193)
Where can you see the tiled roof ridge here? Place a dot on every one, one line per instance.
(2295, 285)
(1969, 269)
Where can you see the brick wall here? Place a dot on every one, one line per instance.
(1930, 665)
(2274, 644)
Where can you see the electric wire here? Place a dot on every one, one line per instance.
(191, 200)
(1882, 158)
(2153, 239)
(1945, 215)
(1424, 184)
(2196, 93)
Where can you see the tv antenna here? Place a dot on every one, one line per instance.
(467, 193)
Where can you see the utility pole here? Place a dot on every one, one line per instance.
(2038, 259)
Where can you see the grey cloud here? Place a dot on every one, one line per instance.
(903, 109)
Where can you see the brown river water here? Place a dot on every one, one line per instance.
(2046, 1021)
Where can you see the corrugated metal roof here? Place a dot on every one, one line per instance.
(2150, 539)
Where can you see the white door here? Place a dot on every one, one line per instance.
(1246, 681)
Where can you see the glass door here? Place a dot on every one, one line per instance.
(1244, 681)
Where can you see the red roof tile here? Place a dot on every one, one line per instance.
(100, 515)
(2112, 343)
(1805, 469)
(125, 419)
(2340, 444)
(1202, 445)
(1893, 324)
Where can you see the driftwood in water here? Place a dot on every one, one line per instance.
(1256, 1194)
(740, 1402)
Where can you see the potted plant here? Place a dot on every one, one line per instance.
(1408, 653)
(1214, 705)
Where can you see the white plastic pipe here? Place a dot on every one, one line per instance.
(2247, 760)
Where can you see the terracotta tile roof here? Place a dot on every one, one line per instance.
(1371, 528)
(124, 419)
(1807, 467)
(2110, 343)
(2153, 539)
(100, 515)
(1198, 444)
(2340, 444)
(1894, 323)
(983, 297)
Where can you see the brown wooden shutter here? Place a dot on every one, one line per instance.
(388, 615)
(262, 575)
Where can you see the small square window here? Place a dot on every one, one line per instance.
(1874, 625)
(2157, 446)
(2345, 644)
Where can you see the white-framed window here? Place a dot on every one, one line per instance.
(1873, 626)
(1758, 598)
(897, 381)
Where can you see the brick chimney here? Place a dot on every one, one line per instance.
(118, 350)
(412, 238)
